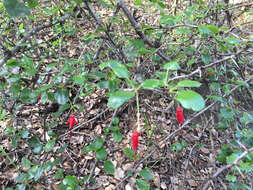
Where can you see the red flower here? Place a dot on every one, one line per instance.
(180, 115)
(135, 141)
(39, 97)
(71, 122)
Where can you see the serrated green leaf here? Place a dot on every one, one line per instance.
(190, 100)
(173, 66)
(151, 83)
(188, 83)
(49, 146)
(118, 98)
(101, 154)
(109, 168)
(61, 96)
(142, 185)
(146, 174)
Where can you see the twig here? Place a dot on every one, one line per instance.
(31, 33)
(99, 22)
(137, 29)
(220, 170)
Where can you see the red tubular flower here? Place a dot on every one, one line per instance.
(39, 97)
(135, 141)
(71, 122)
(180, 115)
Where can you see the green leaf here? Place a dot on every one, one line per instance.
(79, 79)
(86, 149)
(231, 178)
(101, 154)
(206, 58)
(21, 177)
(151, 83)
(119, 69)
(247, 118)
(146, 174)
(9, 130)
(21, 187)
(173, 65)
(97, 144)
(15, 139)
(117, 136)
(118, 98)
(35, 144)
(25, 162)
(213, 29)
(142, 185)
(231, 158)
(61, 149)
(24, 134)
(38, 173)
(115, 121)
(188, 83)
(71, 181)
(59, 174)
(61, 96)
(190, 100)
(49, 146)
(128, 152)
(233, 40)
(15, 8)
(227, 113)
(109, 168)
(204, 30)
(32, 3)
(78, 1)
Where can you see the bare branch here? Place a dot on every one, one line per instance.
(31, 33)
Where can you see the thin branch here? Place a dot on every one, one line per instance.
(220, 170)
(137, 29)
(31, 33)
(198, 70)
